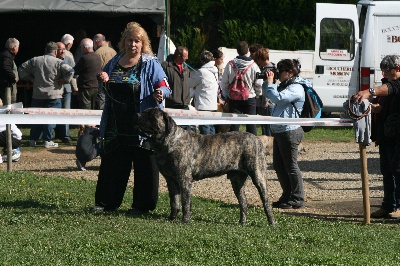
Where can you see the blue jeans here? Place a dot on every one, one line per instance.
(46, 131)
(207, 129)
(285, 151)
(62, 130)
(265, 128)
(244, 107)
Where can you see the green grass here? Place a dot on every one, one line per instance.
(47, 221)
(328, 134)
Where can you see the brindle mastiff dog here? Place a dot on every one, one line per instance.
(184, 157)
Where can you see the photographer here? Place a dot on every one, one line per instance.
(264, 105)
(287, 138)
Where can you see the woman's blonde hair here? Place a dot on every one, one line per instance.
(137, 29)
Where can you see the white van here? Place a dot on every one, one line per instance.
(350, 42)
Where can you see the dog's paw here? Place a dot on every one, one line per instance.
(185, 221)
(173, 215)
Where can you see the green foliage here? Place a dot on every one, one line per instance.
(193, 38)
(47, 221)
(269, 34)
(276, 24)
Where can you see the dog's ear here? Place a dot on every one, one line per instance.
(169, 123)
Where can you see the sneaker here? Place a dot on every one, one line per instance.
(50, 144)
(395, 214)
(276, 204)
(80, 165)
(380, 213)
(98, 209)
(15, 155)
(66, 141)
(32, 143)
(290, 205)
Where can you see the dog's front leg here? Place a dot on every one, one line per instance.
(238, 180)
(174, 197)
(186, 197)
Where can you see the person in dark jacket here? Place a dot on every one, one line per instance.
(87, 68)
(178, 75)
(8, 75)
(382, 107)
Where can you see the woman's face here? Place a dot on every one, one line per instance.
(219, 61)
(133, 44)
(285, 75)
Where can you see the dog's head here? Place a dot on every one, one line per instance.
(154, 123)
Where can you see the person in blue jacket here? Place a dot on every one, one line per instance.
(134, 81)
(287, 138)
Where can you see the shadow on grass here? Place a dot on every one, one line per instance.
(26, 204)
(339, 166)
(197, 215)
(347, 218)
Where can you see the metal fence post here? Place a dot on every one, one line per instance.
(8, 131)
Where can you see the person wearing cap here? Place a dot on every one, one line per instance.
(48, 74)
(389, 149)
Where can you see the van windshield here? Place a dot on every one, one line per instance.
(337, 39)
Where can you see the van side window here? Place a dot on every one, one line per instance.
(337, 39)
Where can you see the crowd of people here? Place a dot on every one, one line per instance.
(131, 80)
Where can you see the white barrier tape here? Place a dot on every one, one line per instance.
(13, 107)
(181, 117)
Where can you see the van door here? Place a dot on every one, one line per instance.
(336, 54)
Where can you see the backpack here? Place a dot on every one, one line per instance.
(238, 89)
(312, 107)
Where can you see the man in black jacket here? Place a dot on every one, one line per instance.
(8, 71)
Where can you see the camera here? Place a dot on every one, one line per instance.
(263, 73)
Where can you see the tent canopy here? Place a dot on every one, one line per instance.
(155, 8)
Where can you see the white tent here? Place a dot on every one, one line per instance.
(156, 8)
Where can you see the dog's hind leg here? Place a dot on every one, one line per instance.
(238, 180)
(174, 197)
(259, 182)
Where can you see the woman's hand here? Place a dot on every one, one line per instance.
(270, 76)
(102, 77)
(158, 95)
